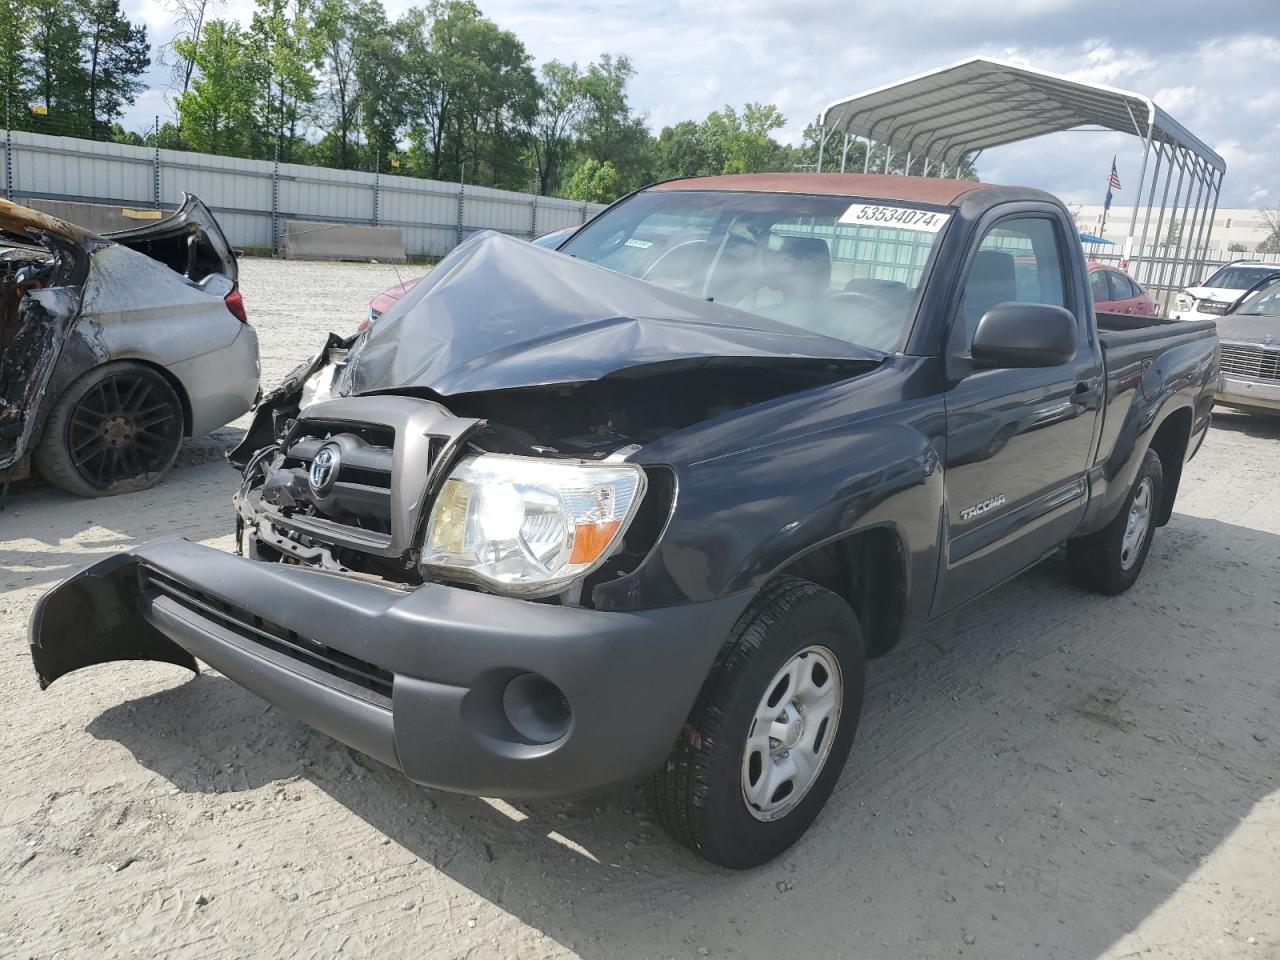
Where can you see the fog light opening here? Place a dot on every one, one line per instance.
(536, 708)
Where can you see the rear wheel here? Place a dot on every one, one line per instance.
(1110, 560)
(771, 729)
(116, 429)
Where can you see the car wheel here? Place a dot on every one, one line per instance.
(770, 731)
(116, 429)
(1110, 560)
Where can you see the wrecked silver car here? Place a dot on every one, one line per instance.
(114, 348)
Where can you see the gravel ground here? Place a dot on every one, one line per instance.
(1045, 773)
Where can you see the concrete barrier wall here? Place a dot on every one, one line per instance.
(309, 240)
(96, 217)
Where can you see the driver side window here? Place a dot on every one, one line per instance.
(1019, 260)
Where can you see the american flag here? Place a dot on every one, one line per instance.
(1114, 181)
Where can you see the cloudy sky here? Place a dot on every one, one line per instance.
(1213, 66)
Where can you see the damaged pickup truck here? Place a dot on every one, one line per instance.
(112, 349)
(644, 506)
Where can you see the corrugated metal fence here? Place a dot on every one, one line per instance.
(253, 198)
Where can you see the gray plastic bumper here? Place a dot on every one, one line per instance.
(414, 678)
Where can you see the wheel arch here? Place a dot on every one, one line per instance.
(1170, 442)
(869, 570)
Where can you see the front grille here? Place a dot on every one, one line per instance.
(360, 495)
(1213, 307)
(332, 667)
(1256, 363)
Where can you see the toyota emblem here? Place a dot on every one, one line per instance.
(324, 469)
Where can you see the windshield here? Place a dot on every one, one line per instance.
(1262, 303)
(838, 266)
(1237, 278)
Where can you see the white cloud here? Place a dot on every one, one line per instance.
(1219, 79)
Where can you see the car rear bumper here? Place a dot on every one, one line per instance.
(1248, 394)
(415, 678)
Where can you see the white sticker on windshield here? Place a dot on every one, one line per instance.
(902, 218)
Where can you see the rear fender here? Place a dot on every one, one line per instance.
(94, 617)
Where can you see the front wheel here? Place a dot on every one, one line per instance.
(772, 726)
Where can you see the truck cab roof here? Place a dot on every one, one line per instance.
(875, 186)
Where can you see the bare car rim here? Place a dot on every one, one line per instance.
(791, 733)
(1135, 530)
(123, 427)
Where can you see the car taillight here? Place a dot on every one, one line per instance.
(235, 303)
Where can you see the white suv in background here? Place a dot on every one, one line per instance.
(1215, 296)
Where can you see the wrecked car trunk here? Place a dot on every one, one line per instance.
(514, 350)
(49, 283)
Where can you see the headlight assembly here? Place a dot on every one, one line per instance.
(1185, 301)
(528, 526)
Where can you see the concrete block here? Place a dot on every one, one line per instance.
(99, 218)
(309, 240)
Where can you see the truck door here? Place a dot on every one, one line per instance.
(1018, 440)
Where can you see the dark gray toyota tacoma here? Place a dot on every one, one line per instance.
(643, 506)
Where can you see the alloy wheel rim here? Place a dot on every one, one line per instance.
(1137, 525)
(791, 733)
(122, 427)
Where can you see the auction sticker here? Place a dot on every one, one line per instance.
(902, 218)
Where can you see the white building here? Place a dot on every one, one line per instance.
(1241, 226)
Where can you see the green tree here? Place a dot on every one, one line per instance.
(341, 28)
(15, 38)
(218, 113)
(471, 94)
(280, 35)
(561, 102)
(609, 131)
(115, 55)
(189, 19)
(58, 77)
(741, 143)
(594, 182)
(681, 151)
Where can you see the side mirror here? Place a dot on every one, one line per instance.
(1025, 335)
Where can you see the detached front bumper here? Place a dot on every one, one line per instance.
(414, 678)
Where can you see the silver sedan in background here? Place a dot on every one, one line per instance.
(112, 349)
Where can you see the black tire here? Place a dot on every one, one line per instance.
(116, 429)
(1099, 561)
(700, 793)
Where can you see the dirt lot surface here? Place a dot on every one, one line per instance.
(1044, 774)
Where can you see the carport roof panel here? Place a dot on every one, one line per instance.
(980, 103)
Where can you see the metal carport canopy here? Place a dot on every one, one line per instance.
(945, 115)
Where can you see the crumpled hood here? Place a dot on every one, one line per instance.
(499, 313)
(1249, 329)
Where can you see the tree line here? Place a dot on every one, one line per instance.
(441, 92)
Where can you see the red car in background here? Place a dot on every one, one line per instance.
(388, 298)
(1114, 291)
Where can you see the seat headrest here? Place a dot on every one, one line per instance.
(806, 266)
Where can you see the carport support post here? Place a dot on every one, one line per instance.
(1146, 221)
(1137, 197)
(1180, 277)
(1204, 250)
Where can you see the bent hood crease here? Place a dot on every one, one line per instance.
(498, 313)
